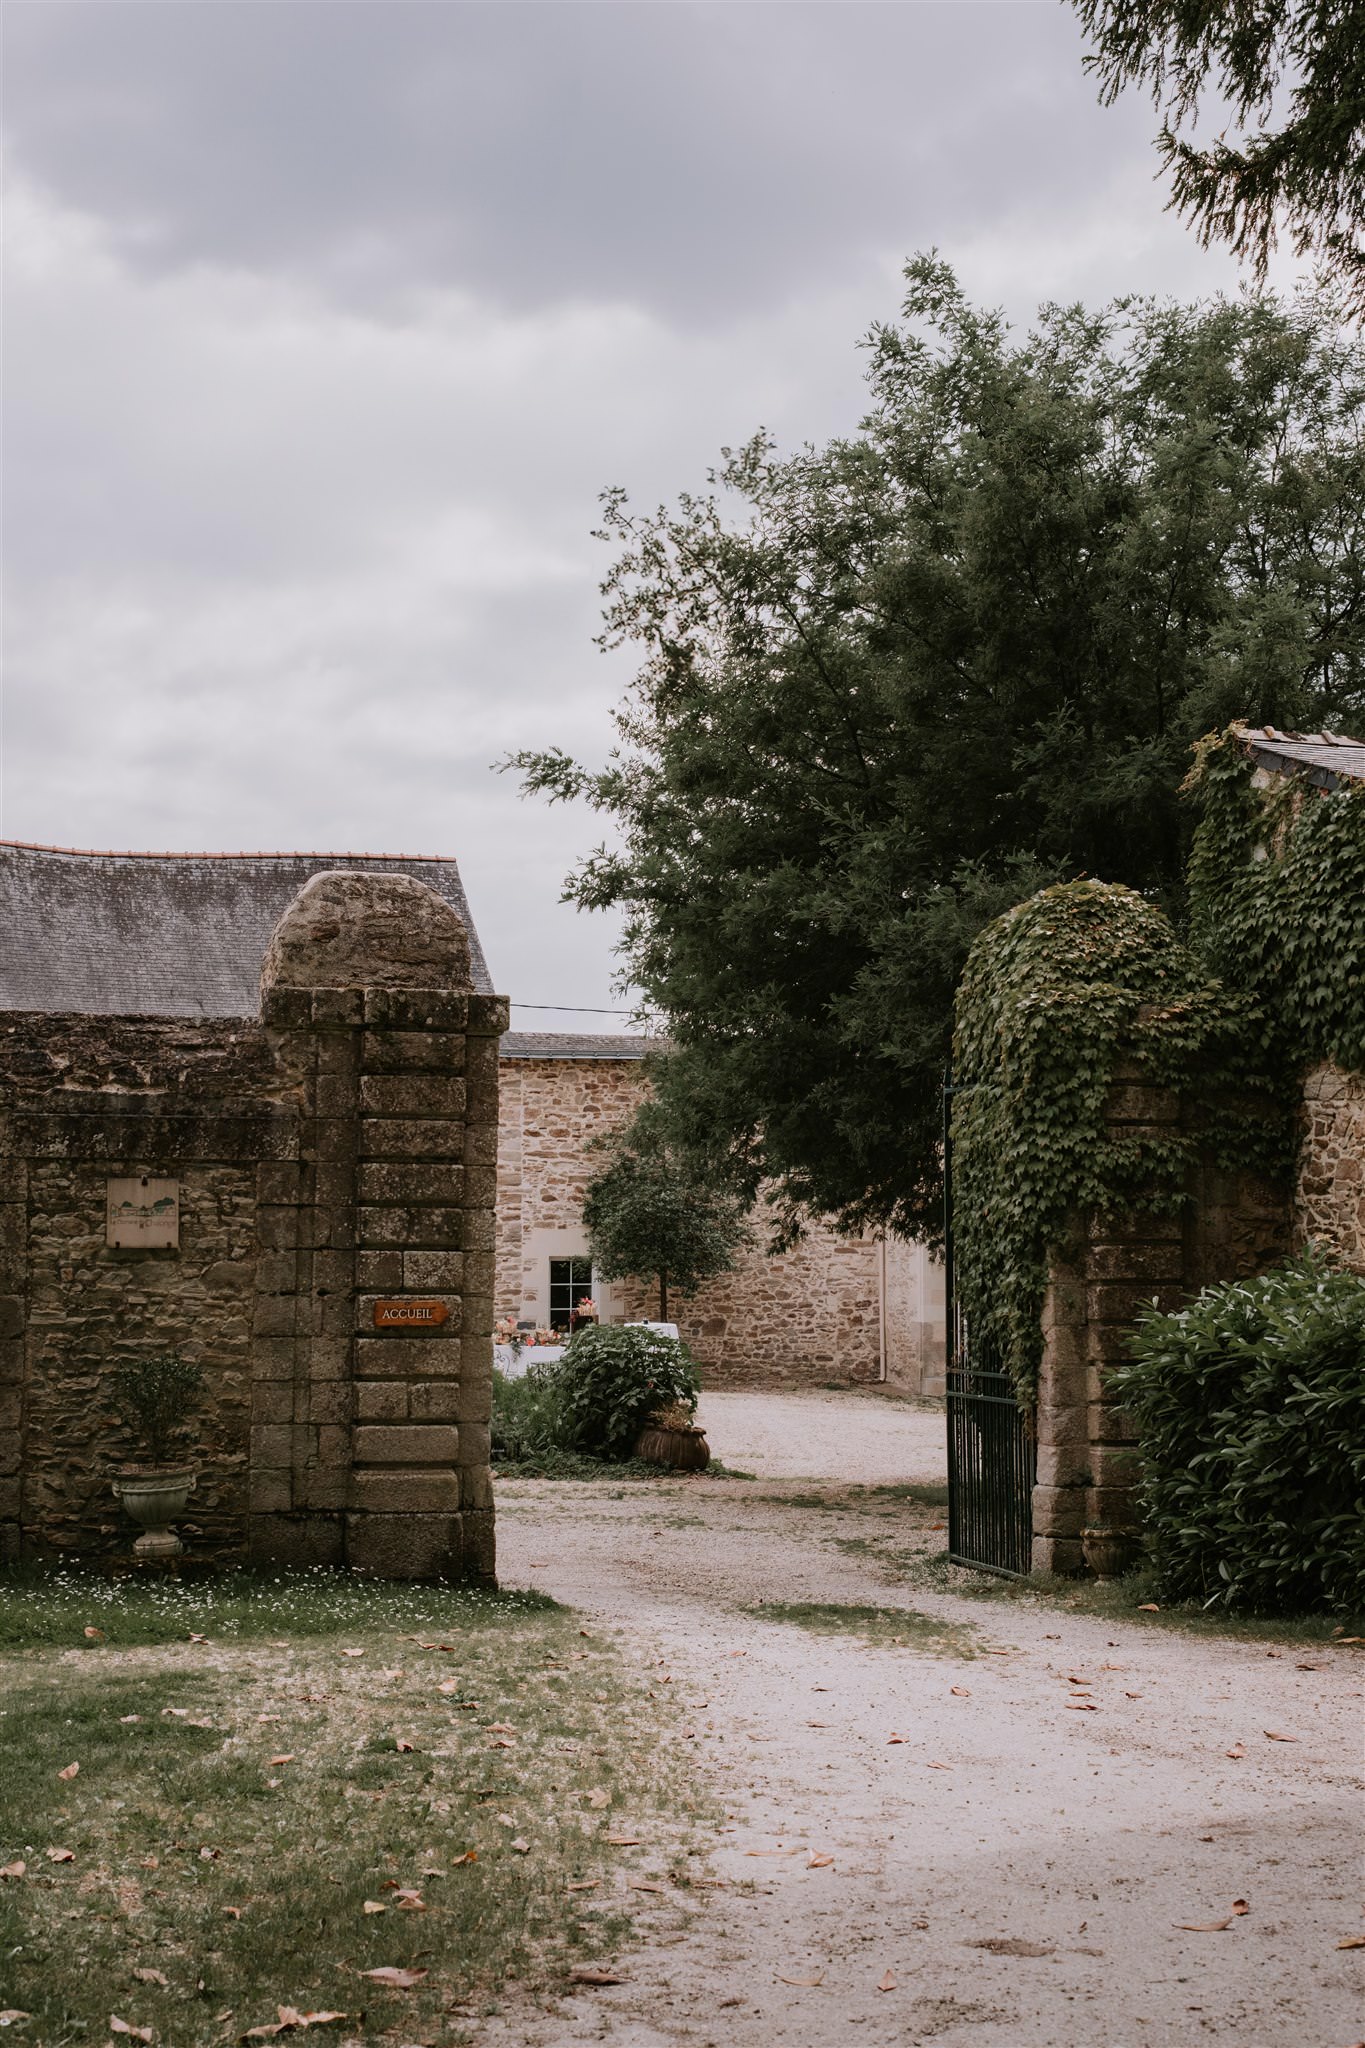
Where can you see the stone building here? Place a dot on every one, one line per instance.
(834, 1310)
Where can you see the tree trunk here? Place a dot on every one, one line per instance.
(663, 1297)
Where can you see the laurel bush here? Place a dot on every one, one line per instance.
(1250, 1409)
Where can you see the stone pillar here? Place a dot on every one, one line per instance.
(373, 1346)
(1114, 1264)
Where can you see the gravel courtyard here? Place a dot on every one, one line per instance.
(1006, 1822)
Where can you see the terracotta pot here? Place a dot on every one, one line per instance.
(156, 1499)
(682, 1448)
(1108, 1552)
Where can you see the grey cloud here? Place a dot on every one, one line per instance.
(691, 157)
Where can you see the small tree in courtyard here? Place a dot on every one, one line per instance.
(648, 1212)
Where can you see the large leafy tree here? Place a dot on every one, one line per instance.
(1292, 74)
(919, 672)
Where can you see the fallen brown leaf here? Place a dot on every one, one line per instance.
(803, 1983)
(622, 1841)
(353, 1653)
(1238, 1750)
(409, 1900)
(520, 1847)
(403, 1748)
(644, 1884)
(599, 1796)
(501, 1742)
(152, 1977)
(94, 1635)
(11, 2016)
(470, 1856)
(207, 1855)
(60, 1855)
(233, 1912)
(1203, 1926)
(1081, 1707)
(501, 1728)
(961, 1692)
(887, 1981)
(897, 1738)
(589, 1973)
(449, 1685)
(1240, 1906)
(15, 1869)
(397, 1980)
(1352, 1940)
(818, 1861)
(1148, 1607)
(118, 2026)
(287, 1758)
(374, 1906)
(70, 1771)
(1271, 1736)
(584, 1884)
(935, 1765)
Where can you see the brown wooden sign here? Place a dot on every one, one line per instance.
(409, 1315)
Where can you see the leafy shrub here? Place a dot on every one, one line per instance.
(1250, 1410)
(527, 1414)
(613, 1378)
(155, 1397)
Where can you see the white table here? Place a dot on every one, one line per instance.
(513, 1359)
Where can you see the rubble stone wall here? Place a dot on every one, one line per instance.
(334, 1273)
(1329, 1183)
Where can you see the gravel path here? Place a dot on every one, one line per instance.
(1015, 1867)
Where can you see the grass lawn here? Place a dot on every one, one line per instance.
(281, 1784)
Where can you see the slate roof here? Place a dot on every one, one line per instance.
(164, 934)
(575, 1045)
(1325, 758)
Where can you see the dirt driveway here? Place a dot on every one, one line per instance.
(998, 1822)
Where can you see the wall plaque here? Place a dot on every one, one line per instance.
(409, 1315)
(144, 1213)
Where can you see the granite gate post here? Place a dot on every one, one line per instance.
(372, 1336)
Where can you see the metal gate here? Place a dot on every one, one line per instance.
(992, 1454)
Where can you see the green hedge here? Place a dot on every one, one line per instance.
(1250, 1410)
(597, 1398)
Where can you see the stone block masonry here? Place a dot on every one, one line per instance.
(334, 1272)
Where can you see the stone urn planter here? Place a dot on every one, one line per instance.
(1108, 1552)
(156, 1499)
(679, 1445)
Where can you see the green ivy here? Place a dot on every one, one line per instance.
(1277, 902)
(1084, 987)
(1088, 985)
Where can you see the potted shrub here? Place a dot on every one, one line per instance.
(614, 1385)
(155, 1397)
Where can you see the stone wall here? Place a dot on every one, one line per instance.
(809, 1316)
(1108, 1269)
(1329, 1182)
(334, 1272)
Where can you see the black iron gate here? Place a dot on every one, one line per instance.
(992, 1455)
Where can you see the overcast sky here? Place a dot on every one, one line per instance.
(326, 323)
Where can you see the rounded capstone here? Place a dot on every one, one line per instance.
(350, 929)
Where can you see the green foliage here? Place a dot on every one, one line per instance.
(528, 1417)
(156, 1396)
(1250, 1406)
(613, 1378)
(650, 1211)
(1299, 156)
(892, 685)
(1277, 902)
(1083, 987)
